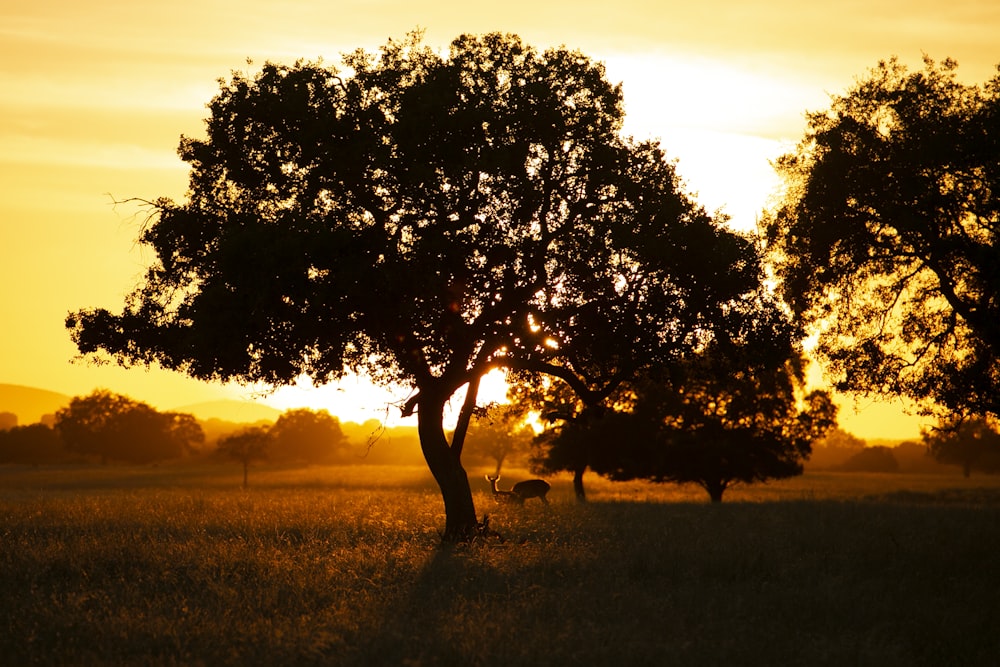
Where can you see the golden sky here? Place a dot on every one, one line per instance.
(94, 97)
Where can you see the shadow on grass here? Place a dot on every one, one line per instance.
(351, 576)
(809, 582)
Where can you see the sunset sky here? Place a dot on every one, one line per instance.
(94, 97)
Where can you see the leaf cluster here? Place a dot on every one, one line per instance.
(973, 443)
(887, 238)
(737, 411)
(424, 218)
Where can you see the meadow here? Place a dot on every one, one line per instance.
(344, 566)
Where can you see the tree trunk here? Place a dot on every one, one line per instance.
(581, 495)
(715, 491)
(446, 466)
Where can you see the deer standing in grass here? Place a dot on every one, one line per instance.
(531, 488)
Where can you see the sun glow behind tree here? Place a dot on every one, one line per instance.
(725, 162)
(424, 220)
(95, 98)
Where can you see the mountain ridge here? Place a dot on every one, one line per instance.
(30, 404)
(231, 410)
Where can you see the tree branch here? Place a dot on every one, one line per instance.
(465, 416)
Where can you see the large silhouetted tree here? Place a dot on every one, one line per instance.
(424, 219)
(738, 412)
(888, 236)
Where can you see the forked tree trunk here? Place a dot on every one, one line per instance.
(446, 466)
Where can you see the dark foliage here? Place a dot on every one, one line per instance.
(425, 219)
(889, 235)
(307, 436)
(972, 443)
(737, 412)
(33, 444)
(112, 427)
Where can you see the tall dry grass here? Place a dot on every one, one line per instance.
(344, 567)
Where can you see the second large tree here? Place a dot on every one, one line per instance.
(889, 236)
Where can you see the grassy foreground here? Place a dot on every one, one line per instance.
(326, 566)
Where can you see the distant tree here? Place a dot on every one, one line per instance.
(914, 457)
(113, 427)
(180, 428)
(307, 436)
(736, 412)
(723, 424)
(834, 449)
(572, 431)
(499, 433)
(888, 236)
(425, 219)
(246, 446)
(838, 438)
(872, 459)
(8, 420)
(33, 444)
(972, 443)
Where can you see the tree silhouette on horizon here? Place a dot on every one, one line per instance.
(114, 427)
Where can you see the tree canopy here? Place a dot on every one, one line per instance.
(31, 444)
(972, 443)
(247, 445)
(114, 427)
(307, 436)
(498, 434)
(424, 219)
(888, 236)
(736, 411)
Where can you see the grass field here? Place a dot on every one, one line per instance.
(181, 566)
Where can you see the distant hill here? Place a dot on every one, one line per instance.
(240, 412)
(30, 404)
